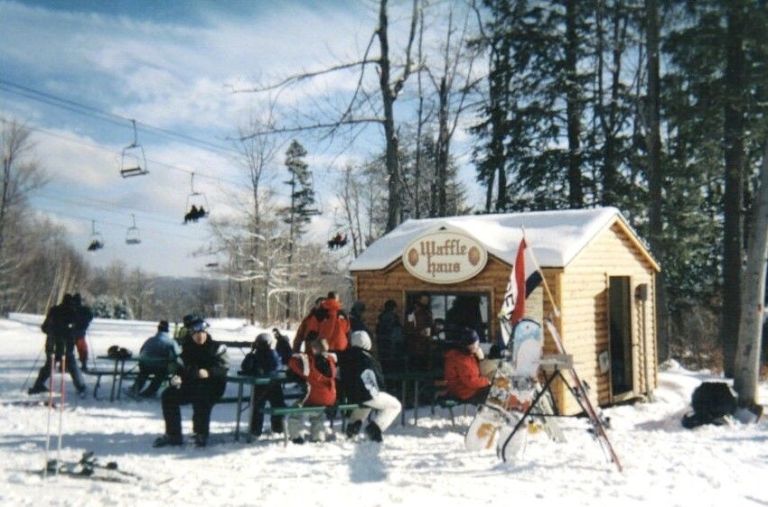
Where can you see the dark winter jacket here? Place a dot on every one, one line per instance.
(84, 318)
(319, 373)
(356, 322)
(361, 375)
(211, 356)
(61, 322)
(260, 362)
(462, 374)
(418, 342)
(283, 348)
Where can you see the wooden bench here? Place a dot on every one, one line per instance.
(303, 410)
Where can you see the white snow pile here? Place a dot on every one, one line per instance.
(420, 465)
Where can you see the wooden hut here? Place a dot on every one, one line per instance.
(601, 276)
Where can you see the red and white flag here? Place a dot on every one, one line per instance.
(513, 307)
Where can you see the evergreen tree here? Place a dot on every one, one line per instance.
(300, 212)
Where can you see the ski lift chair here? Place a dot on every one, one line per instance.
(197, 204)
(132, 236)
(338, 241)
(133, 161)
(97, 240)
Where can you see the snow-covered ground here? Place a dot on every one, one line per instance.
(424, 465)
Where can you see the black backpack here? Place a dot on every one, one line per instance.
(711, 402)
(117, 352)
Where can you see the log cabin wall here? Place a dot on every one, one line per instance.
(585, 317)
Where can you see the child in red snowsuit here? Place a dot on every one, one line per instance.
(318, 370)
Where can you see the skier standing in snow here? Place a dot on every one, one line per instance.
(200, 380)
(317, 368)
(157, 355)
(84, 318)
(462, 369)
(59, 327)
(362, 381)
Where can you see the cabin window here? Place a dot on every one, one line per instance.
(457, 308)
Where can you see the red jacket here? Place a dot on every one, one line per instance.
(333, 328)
(462, 374)
(321, 389)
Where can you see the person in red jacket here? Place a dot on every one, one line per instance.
(331, 324)
(303, 331)
(318, 370)
(462, 369)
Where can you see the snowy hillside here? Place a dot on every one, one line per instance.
(424, 465)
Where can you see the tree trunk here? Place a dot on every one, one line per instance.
(573, 110)
(734, 184)
(655, 176)
(747, 358)
(394, 204)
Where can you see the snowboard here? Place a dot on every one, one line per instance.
(513, 388)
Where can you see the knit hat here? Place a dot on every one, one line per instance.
(466, 337)
(198, 325)
(267, 339)
(162, 326)
(360, 339)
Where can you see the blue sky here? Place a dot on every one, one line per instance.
(170, 65)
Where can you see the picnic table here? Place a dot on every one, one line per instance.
(417, 379)
(117, 371)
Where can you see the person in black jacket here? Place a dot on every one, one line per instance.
(200, 380)
(389, 337)
(282, 346)
(262, 361)
(59, 327)
(363, 382)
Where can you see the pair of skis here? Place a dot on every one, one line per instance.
(88, 468)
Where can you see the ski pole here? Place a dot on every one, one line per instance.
(50, 410)
(61, 408)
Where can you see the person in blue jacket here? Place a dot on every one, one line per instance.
(157, 356)
(262, 361)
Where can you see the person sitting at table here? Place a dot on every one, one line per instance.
(318, 370)
(462, 369)
(262, 361)
(200, 380)
(362, 381)
(156, 357)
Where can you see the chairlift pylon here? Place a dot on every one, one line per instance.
(97, 240)
(132, 236)
(197, 204)
(133, 162)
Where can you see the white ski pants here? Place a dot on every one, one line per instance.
(386, 406)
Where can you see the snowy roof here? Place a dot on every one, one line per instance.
(556, 237)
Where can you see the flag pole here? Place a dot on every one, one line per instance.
(555, 309)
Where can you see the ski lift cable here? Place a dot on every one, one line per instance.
(229, 182)
(105, 206)
(84, 109)
(157, 232)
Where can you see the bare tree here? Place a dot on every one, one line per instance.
(359, 109)
(747, 361)
(457, 65)
(20, 176)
